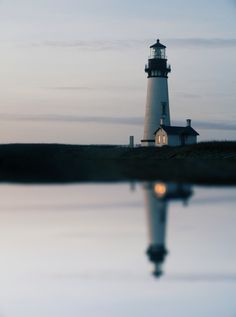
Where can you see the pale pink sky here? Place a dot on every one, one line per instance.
(72, 71)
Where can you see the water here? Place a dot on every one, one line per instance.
(80, 250)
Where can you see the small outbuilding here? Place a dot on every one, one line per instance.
(175, 136)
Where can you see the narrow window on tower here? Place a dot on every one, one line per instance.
(164, 139)
(163, 105)
(159, 139)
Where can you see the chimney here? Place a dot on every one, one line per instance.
(161, 121)
(131, 141)
(188, 121)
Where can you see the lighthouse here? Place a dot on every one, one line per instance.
(157, 103)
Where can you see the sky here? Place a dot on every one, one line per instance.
(73, 71)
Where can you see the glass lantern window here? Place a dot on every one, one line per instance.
(157, 52)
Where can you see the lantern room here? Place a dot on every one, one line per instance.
(158, 51)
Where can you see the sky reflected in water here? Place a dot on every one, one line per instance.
(71, 250)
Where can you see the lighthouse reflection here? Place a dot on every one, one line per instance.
(157, 197)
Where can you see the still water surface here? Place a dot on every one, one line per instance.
(81, 250)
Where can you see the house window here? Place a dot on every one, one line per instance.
(164, 139)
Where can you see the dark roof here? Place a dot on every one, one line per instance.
(158, 44)
(177, 130)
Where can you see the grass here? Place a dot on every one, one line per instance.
(203, 163)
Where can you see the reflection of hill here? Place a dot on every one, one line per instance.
(200, 163)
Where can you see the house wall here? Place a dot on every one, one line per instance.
(173, 140)
(191, 139)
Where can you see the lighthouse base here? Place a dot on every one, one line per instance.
(148, 142)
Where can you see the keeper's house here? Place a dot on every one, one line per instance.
(174, 136)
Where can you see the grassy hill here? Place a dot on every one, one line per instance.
(204, 163)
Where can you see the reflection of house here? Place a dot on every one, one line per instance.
(174, 136)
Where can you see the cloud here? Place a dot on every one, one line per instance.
(203, 277)
(216, 200)
(73, 118)
(188, 95)
(72, 207)
(227, 126)
(103, 45)
(124, 275)
(81, 88)
(202, 42)
(206, 125)
(68, 88)
(98, 45)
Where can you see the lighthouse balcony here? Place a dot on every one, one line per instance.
(158, 70)
(157, 64)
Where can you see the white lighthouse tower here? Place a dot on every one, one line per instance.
(157, 104)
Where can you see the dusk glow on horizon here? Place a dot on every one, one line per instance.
(73, 71)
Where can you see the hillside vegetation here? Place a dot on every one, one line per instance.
(205, 163)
